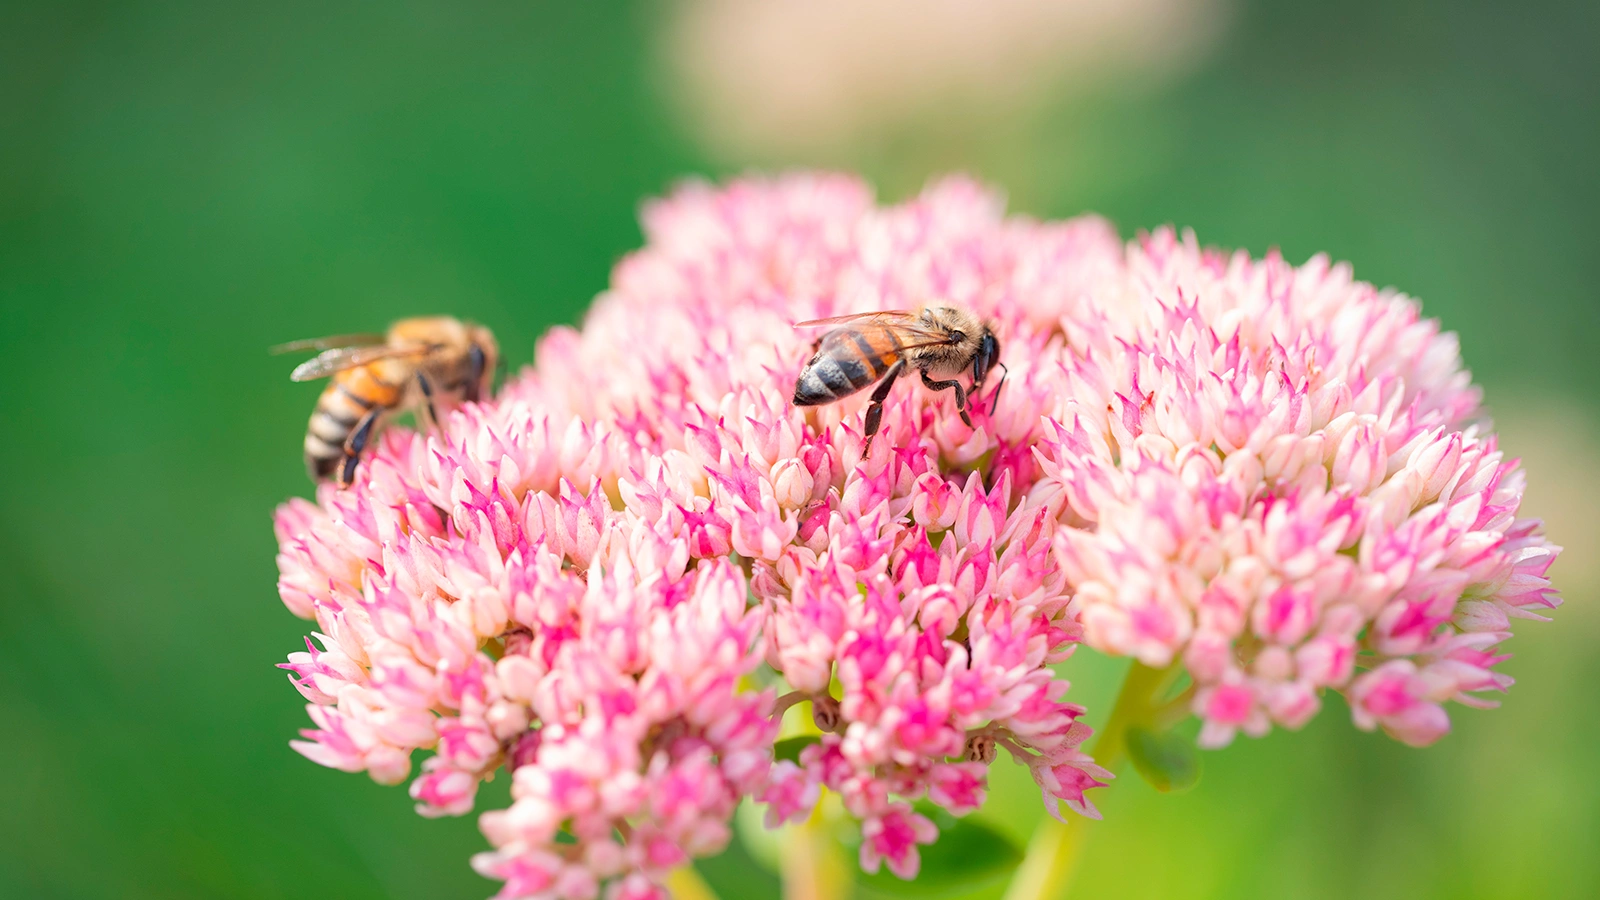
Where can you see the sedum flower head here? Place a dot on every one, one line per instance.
(610, 581)
(1280, 477)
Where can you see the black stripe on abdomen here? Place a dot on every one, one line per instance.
(828, 379)
(359, 400)
(322, 466)
(330, 427)
(869, 356)
(322, 456)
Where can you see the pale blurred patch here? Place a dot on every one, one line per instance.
(1559, 444)
(830, 81)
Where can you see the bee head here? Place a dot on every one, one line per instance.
(988, 354)
(483, 360)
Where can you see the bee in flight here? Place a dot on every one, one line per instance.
(429, 365)
(881, 346)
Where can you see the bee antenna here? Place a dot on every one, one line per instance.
(994, 398)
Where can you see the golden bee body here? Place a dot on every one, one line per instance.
(428, 364)
(881, 346)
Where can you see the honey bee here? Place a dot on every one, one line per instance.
(429, 365)
(882, 346)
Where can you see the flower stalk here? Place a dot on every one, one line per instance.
(686, 884)
(1056, 846)
(812, 865)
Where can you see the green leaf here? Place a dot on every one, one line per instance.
(968, 854)
(1165, 759)
(789, 748)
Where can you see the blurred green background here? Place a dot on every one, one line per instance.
(182, 185)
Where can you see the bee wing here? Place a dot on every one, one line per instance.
(329, 343)
(856, 317)
(340, 358)
(903, 324)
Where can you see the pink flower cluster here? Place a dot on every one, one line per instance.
(468, 610)
(1272, 474)
(612, 579)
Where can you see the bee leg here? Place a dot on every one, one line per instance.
(427, 395)
(475, 374)
(875, 409)
(952, 384)
(354, 445)
(994, 398)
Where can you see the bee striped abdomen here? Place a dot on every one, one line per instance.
(847, 360)
(346, 400)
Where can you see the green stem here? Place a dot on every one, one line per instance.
(686, 884)
(1046, 872)
(811, 864)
